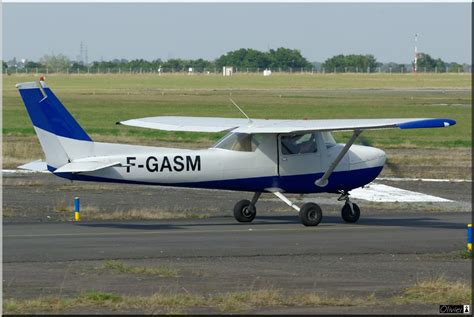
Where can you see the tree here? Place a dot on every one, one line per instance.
(55, 62)
(4, 66)
(31, 65)
(253, 59)
(245, 58)
(351, 63)
(425, 61)
(288, 58)
(174, 64)
(453, 67)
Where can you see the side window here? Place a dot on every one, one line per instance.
(298, 144)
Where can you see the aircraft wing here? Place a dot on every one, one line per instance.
(192, 124)
(207, 124)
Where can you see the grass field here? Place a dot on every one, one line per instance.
(98, 101)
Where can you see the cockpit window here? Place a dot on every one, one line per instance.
(299, 143)
(238, 142)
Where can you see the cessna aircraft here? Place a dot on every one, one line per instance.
(274, 156)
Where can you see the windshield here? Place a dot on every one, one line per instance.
(238, 142)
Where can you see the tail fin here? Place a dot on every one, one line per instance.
(61, 137)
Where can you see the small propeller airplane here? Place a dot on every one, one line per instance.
(257, 155)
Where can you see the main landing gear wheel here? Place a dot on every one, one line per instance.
(244, 211)
(310, 214)
(349, 214)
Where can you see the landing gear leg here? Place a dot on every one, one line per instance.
(310, 213)
(244, 210)
(350, 212)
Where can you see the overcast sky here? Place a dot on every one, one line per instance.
(158, 30)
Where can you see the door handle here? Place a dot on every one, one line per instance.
(284, 159)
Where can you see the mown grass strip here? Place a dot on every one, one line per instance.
(161, 302)
(432, 291)
(436, 291)
(121, 267)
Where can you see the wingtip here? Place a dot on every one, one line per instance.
(427, 123)
(449, 122)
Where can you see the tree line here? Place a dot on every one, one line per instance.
(281, 59)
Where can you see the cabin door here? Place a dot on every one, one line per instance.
(299, 153)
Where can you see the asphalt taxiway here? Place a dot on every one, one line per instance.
(277, 235)
(393, 245)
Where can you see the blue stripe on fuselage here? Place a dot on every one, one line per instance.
(304, 184)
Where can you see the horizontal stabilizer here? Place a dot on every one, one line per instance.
(35, 166)
(212, 124)
(87, 166)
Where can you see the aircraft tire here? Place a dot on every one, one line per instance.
(347, 214)
(244, 211)
(311, 214)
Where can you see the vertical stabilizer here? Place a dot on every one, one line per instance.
(62, 138)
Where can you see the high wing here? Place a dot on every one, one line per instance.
(212, 124)
(192, 124)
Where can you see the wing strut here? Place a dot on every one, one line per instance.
(323, 181)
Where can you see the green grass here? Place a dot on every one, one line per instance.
(177, 302)
(100, 297)
(162, 270)
(465, 254)
(98, 101)
(433, 291)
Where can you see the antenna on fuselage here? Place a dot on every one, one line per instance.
(233, 102)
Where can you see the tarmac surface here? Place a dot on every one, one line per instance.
(223, 237)
(391, 247)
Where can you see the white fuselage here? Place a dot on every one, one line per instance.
(262, 168)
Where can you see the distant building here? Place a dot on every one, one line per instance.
(227, 70)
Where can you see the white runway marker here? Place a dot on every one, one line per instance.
(384, 193)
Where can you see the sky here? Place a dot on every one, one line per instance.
(184, 30)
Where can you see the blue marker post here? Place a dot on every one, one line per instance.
(469, 237)
(77, 209)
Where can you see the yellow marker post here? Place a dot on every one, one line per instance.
(77, 209)
(469, 237)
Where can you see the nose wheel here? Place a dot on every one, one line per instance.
(350, 212)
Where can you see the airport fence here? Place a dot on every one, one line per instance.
(236, 70)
